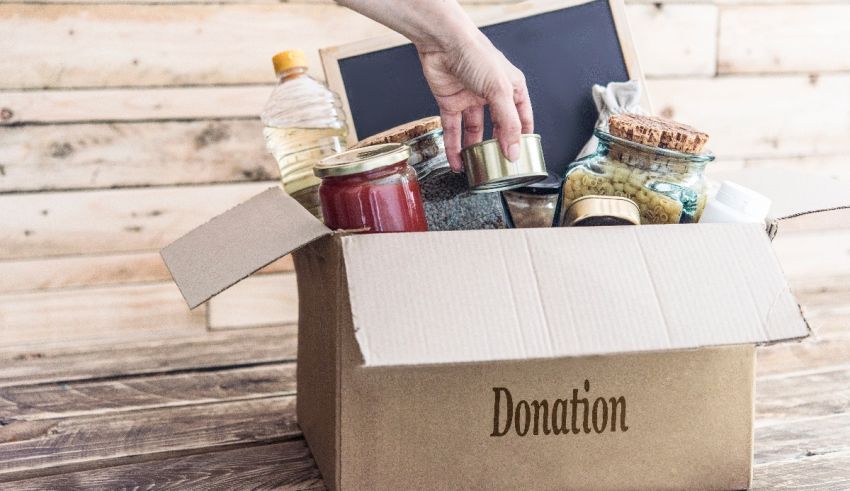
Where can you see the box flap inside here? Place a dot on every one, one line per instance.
(801, 200)
(446, 297)
(233, 245)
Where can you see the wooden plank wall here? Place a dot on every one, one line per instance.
(125, 123)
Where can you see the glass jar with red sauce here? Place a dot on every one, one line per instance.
(371, 189)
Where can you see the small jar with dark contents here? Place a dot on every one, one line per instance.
(371, 190)
(533, 206)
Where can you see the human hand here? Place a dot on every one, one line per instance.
(465, 76)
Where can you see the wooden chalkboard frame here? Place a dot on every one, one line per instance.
(331, 56)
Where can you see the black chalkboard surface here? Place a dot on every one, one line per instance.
(562, 48)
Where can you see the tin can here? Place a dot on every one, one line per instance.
(488, 170)
(594, 210)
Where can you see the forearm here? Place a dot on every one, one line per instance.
(429, 24)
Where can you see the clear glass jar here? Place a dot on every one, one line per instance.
(668, 186)
(532, 206)
(371, 190)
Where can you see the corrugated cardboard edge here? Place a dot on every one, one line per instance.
(775, 223)
(771, 310)
(802, 201)
(343, 320)
(318, 372)
(751, 428)
(772, 229)
(232, 246)
(798, 339)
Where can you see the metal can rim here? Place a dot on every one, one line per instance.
(492, 140)
(364, 159)
(571, 216)
(508, 183)
(488, 170)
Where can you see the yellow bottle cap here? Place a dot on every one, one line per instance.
(287, 60)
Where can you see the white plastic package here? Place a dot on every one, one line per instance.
(614, 98)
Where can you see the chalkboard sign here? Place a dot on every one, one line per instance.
(563, 48)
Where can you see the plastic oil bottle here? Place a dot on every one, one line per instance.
(304, 122)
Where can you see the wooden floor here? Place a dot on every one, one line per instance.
(217, 409)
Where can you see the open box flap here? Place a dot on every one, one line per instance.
(235, 244)
(446, 297)
(801, 200)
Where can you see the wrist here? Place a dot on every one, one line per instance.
(451, 36)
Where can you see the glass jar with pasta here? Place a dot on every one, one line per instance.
(667, 185)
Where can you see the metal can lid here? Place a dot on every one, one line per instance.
(601, 210)
(488, 170)
(546, 187)
(363, 159)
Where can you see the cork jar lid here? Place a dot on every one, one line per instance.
(402, 133)
(658, 132)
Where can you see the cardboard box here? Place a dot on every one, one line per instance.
(609, 357)
(604, 358)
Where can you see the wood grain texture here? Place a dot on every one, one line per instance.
(835, 166)
(813, 257)
(85, 156)
(244, 2)
(822, 472)
(156, 103)
(231, 44)
(286, 466)
(796, 440)
(762, 117)
(738, 2)
(91, 156)
(125, 311)
(256, 301)
(464, 2)
(789, 38)
(164, 44)
(111, 357)
(95, 270)
(90, 222)
(829, 344)
(74, 271)
(826, 302)
(834, 322)
(30, 447)
(816, 352)
(785, 397)
(667, 48)
(45, 401)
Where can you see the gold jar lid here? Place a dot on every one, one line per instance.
(601, 210)
(363, 159)
(488, 170)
